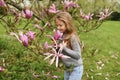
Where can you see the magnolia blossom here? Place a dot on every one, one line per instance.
(46, 45)
(56, 50)
(57, 35)
(103, 15)
(89, 16)
(22, 38)
(56, 55)
(69, 4)
(28, 13)
(31, 35)
(84, 16)
(53, 9)
(1, 69)
(2, 3)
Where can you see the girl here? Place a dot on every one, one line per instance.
(71, 47)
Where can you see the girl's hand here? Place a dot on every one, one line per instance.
(63, 44)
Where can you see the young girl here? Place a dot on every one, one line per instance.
(71, 47)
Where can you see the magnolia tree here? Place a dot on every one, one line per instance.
(32, 23)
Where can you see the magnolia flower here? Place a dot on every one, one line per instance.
(53, 9)
(103, 15)
(2, 3)
(68, 4)
(56, 50)
(56, 56)
(84, 16)
(89, 16)
(46, 45)
(57, 35)
(1, 69)
(28, 13)
(31, 35)
(81, 14)
(22, 38)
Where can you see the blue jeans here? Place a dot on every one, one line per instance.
(76, 73)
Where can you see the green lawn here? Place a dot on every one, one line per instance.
(102, 45)
(100, 56)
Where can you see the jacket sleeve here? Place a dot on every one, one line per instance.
(76, 50)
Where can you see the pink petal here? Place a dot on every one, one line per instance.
(57, 60)
(24, 40)
(57, 35)
(2, 3)
(31, 35)
(48, 56)
(52, 60)
(28, 13)
(64, 56)
(1, 69)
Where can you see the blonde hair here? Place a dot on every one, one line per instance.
(70, 28)
(67, 19)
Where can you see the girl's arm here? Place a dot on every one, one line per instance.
(76, 50)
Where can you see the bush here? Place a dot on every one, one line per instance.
(115, 16)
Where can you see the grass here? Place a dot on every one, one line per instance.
(102, 45)
(100, 57)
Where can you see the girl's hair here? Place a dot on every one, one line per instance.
(70, 28)
(67, 19)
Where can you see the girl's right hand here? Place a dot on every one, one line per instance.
(63, 44)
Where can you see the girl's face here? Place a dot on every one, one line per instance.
(60, 25)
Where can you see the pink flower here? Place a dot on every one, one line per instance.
(31, 35)
(57, 35)
(69, 4)
(56, 49)
(1, 69)
(55, 57)
(53, 9)
(28, 13)
(82, 15)
(88, 17)
(46, 45)
(2, 3)
(103, 15)
(74, 5)
(23, 39)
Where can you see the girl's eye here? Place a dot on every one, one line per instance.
(58, 25)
